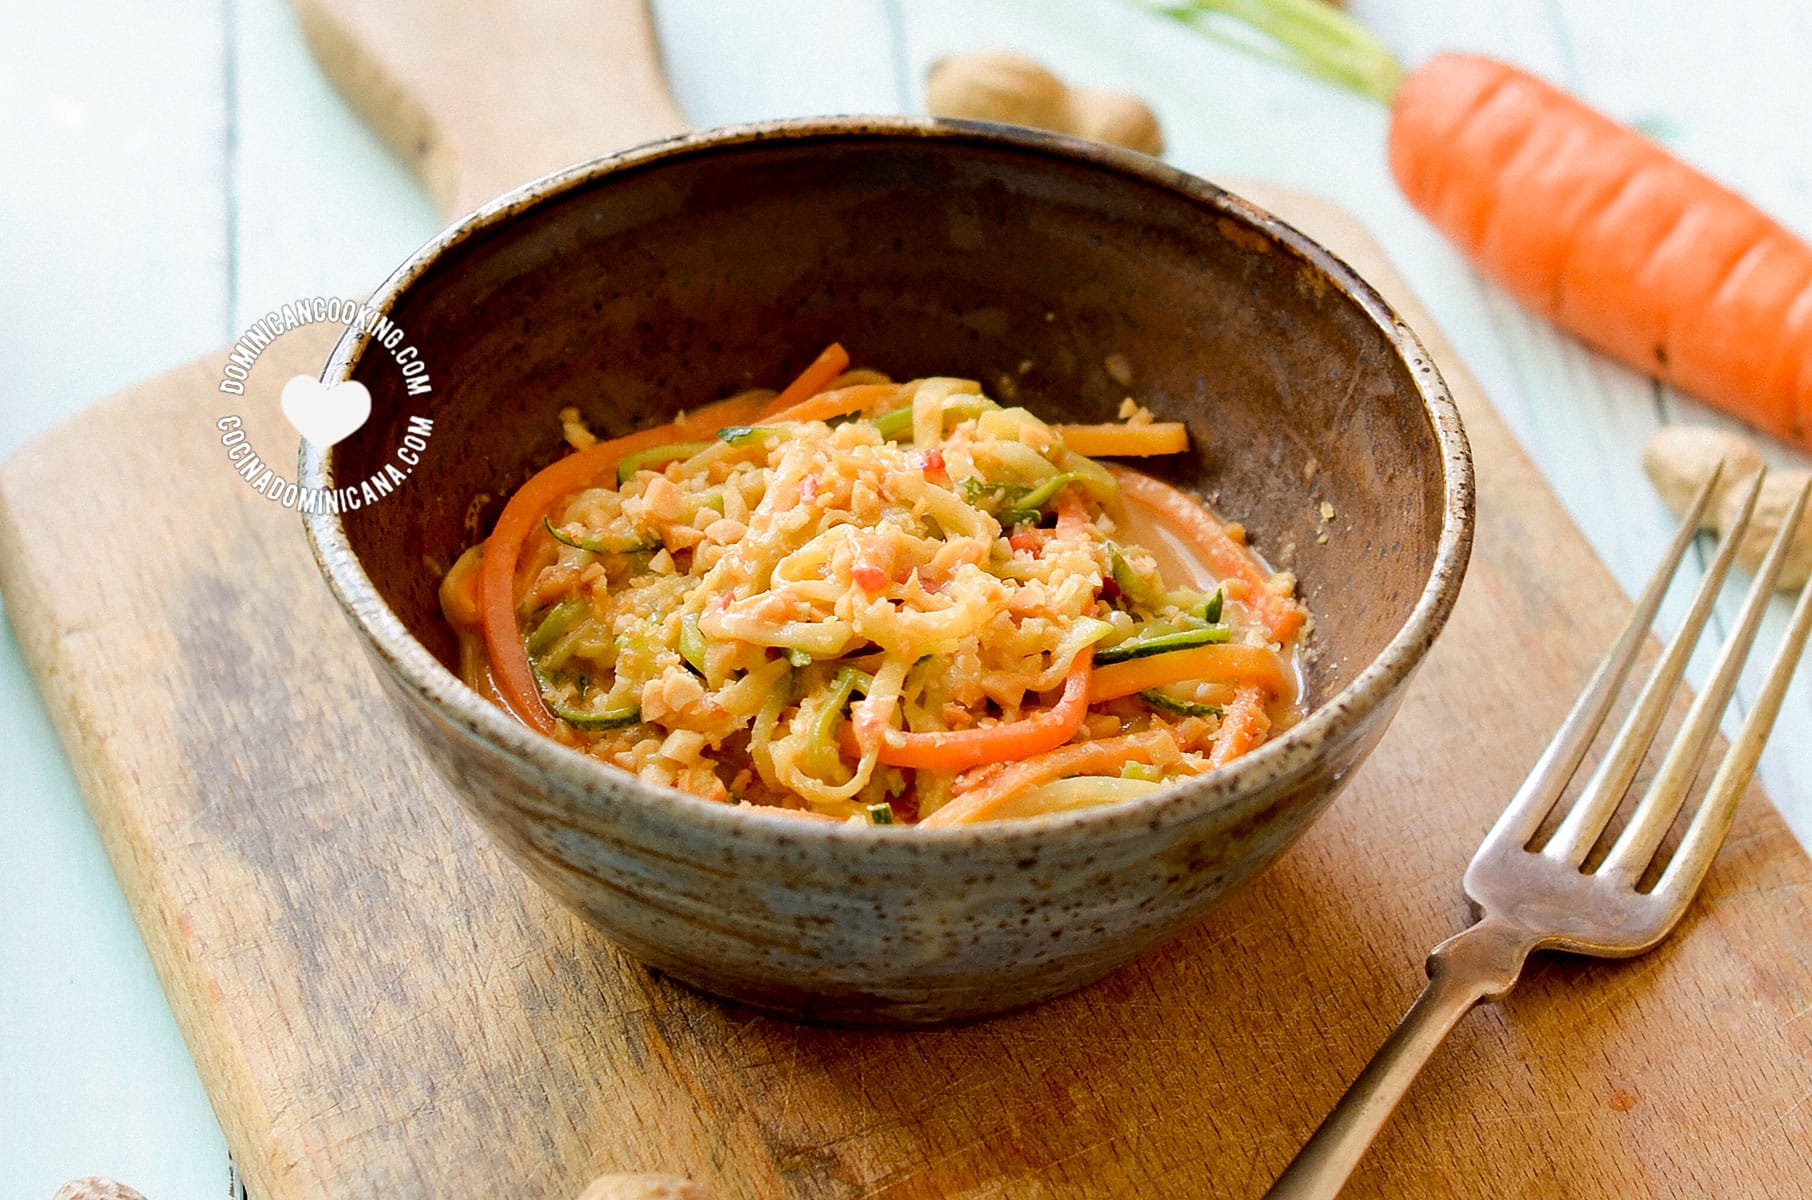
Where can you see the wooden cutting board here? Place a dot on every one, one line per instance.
(381, 1005)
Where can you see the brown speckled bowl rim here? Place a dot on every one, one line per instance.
(1276, 762)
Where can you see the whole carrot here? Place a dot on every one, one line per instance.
(1582, 219)
(1594, 226)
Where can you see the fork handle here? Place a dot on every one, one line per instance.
(1480, 963)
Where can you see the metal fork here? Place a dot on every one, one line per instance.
(1531, 896)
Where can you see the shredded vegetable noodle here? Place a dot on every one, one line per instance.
(881, 602)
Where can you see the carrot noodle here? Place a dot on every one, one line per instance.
(861, 600)
(521, 516)
(1072, 514)
(827, 366)
(978, 802)
(1237, 664)
(1126, 441)
(509, 660)
(837, 403)
(1219, 551)
(956, 750)
(1243, 726)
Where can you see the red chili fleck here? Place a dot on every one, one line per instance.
(933, 463)
(868, 577)
(1029, 540)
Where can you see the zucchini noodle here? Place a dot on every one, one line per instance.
(928, 610)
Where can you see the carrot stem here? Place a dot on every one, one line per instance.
(1308, 35)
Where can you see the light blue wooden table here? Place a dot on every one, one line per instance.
(173, 169)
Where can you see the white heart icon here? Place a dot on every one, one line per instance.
(325, 415)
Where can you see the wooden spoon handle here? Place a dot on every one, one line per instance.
(481, 96)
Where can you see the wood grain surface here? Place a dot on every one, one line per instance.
(482, 96)
(380, 1004)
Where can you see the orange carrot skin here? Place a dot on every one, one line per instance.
(1607, 234)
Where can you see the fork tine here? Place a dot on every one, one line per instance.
(1548, 779)
(1636, 845)
(1574, 838)
(1709, 825)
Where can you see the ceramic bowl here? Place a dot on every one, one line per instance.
(1047, 268)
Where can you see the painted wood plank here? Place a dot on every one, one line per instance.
(114, 256)
(748, 62)
(320, 206)
(114, 211)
